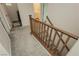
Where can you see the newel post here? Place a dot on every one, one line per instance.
(30, 17)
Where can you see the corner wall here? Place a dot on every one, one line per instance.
(25, 9)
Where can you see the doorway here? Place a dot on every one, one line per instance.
(40, 10)
(37, 10)
(13, 13)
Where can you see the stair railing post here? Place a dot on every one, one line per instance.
(30, 17)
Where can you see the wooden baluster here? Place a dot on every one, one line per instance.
(64, 45)
(59, 40)
(37, 28)
(53, 40)
(63, 42)
(50, 37)
(34, 25)
(47, 32)
(44, 33)
(40, 30)
(31, 24)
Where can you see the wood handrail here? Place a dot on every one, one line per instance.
(64, 32)
(49, 20)
(43, 32)
(63, 41)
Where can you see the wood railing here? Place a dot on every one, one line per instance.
(49, 21)
(56, 41)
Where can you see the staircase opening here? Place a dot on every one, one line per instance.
(56, 41)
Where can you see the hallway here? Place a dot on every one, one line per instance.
(23, 44)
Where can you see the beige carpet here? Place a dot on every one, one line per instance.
(24, 44)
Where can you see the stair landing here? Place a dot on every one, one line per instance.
(24, 44)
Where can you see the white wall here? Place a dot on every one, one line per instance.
(3, 51)
(5, 19)
(25, 9)
(65, 16)
(5, 44)
(75, 50)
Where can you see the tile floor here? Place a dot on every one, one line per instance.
(25, 44)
